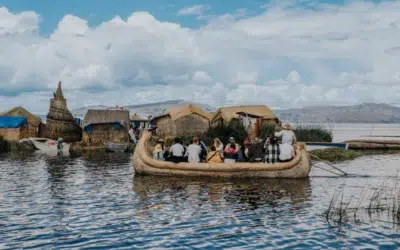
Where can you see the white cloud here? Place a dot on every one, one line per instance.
(195, 10)
(282, 57)
(294, 77)
(72, 26)
(244, 77)
(17, 23)
(201, 76)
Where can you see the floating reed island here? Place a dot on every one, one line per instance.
(102, 127)
(374, 144)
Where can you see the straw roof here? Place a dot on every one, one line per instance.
(187, 109)
(106, 116)
(228, 113)
(20, 111)
(136, 118)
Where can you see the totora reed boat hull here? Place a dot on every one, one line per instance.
(143, 163)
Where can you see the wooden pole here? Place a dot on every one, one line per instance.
(338, 169)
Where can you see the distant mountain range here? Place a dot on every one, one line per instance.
(362, 113)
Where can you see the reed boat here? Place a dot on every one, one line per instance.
(144, 163)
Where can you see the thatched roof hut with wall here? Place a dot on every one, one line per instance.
(138, 121)
(102, 126)
(184, 120)
(34, 122)
(60, 121)
(13, 128)
(225, 114)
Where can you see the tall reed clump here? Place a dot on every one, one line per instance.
(223, 132)
(381, 202)
(312, 133)
(267, 130)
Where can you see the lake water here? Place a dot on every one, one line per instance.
(96, 201)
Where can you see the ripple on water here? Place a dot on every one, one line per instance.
(96, 201)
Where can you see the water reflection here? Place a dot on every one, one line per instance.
(254, 193)
(95, 200)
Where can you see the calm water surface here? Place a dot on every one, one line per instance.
(97, 202)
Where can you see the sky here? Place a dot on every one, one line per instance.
(278, 53)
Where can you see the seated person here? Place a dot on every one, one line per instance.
(241, 157)
(218, 145)
(204, 151)
(256, 151)
(232, 142)
(230, 153)
(287, 134)
(193, 151)
(214, 156)
(177, 151)
(286, 152)
(272, 151)
(158, 152)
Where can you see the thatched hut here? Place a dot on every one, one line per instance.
(34, 122)
(138, 121)
(185, 120)
(13, 128)
(60, 121)
(102, 126)
(225, 114)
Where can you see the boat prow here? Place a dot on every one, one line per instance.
(143, 163)
(47, 146)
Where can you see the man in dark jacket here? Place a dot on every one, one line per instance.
(256, 152)
(204, 151)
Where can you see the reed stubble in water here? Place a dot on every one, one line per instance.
(375, 202)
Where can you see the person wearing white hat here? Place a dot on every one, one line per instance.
(287, 134)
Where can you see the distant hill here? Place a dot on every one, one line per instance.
(144, 110)
(362, 113)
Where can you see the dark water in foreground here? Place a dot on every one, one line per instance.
(97, 202)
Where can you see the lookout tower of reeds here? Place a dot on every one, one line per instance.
(60, 121)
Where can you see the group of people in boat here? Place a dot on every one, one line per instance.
(267, 151)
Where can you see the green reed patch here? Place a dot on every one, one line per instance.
(312, 133)
(334, 154)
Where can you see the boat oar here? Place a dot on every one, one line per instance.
(327, 170)
(338, 169)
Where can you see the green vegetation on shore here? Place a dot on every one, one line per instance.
(313, 133)
(334, 154)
